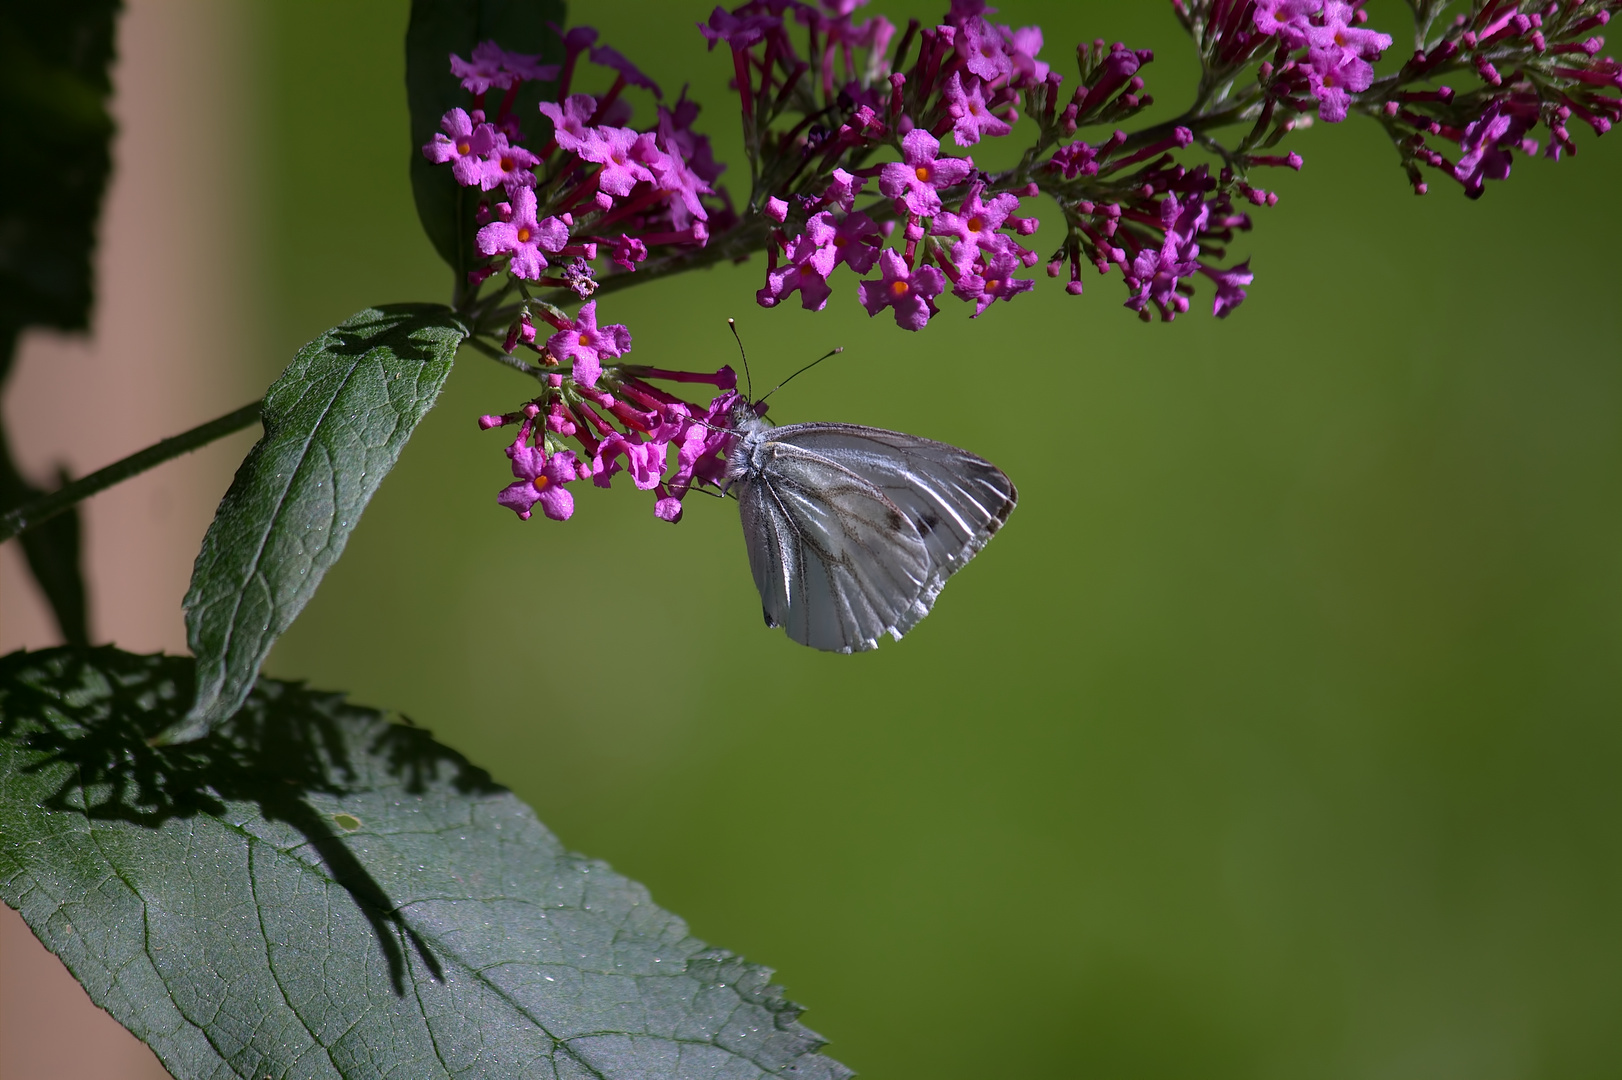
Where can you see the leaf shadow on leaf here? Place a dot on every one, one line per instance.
(97, 709)
(359, 338)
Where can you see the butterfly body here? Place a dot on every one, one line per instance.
(852, 531)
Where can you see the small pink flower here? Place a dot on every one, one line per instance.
(523, 237)
(800, 273)
(541, 479)
(1230, 286)
(569, 120)
(667, 507)
(494, 67)
(976, 226)
(921, 172)
(909, 292)
(698, 455)
(843, 189)
(1338, 36)
(983, 46)
(1289, 19)
(1024, 44)
(484, 71)
(628, 251)
(995, 281)
(616, 150)
(967, 107)
(671, 174)
(1334, 76)
(645, 461)
(465, 145)
(740, 33)
(509, 166)
(1076, 159)
(587, 346)
(528, 67)
(853, 240)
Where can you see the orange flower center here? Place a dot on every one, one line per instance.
(923, 173)
(540, 482)
(991, 286)
(464, 147)
(523, 234)
(976, 223)
(899, 287)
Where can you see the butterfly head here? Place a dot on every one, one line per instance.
(744, 417)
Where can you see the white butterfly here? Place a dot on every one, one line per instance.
(852, 531)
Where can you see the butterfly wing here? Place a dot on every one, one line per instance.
(954, 500)
(836, 561)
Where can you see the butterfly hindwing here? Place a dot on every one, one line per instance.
(836, 561)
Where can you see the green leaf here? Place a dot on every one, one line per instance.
(314, 891)
(437, 29)
(335, 423)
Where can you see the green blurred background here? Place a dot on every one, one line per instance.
(1276, 736)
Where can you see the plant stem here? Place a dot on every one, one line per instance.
(43, 509)
(739, 243)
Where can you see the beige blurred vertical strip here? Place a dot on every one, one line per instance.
(172, 345)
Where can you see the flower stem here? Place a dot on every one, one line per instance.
(43, 509)
(504, 358)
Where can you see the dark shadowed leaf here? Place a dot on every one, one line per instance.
(54, 159)
(54, 162)
(335, 422)
(315, 891)
(439, 28)
(52, 549)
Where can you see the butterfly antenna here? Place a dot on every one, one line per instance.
(748, 380)
(802, 371)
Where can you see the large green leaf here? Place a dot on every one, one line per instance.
(439, 28)
(335, 422)
(315, 891)
(54, 162)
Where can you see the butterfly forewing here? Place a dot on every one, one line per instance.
(837, 562)
(955, 500)
(852, 531)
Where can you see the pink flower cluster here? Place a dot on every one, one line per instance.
(956, 236)
(1162, 226)
(596, 189)
(1530, 67)
(571, 432)
(1338, 52)
(1524, 64)
(610, 191)
(940, 226)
